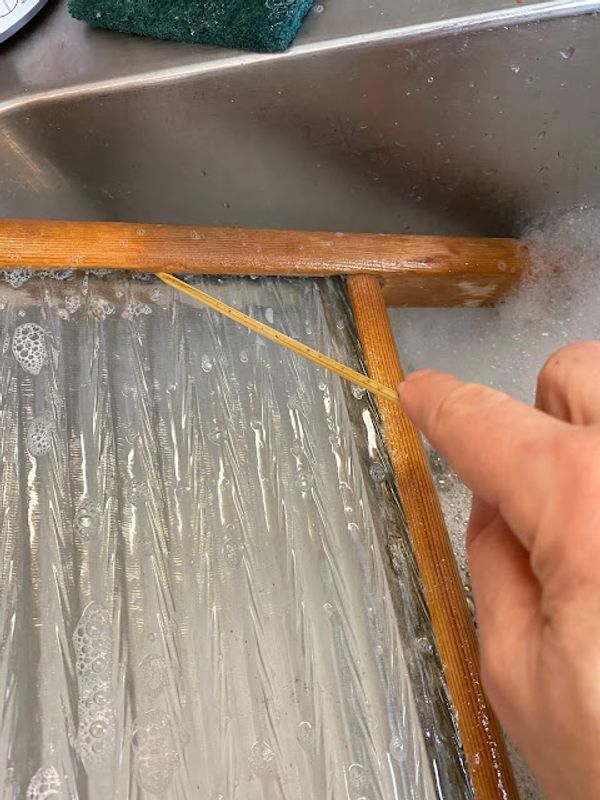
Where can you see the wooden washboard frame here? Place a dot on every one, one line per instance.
(381, 270)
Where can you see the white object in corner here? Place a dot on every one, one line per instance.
(16, 13)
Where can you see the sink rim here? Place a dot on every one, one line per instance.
(225, 61)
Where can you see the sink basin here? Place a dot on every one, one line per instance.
(462, 117)
(457, 117)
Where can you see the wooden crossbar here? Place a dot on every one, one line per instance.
(413, 270)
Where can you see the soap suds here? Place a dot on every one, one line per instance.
(505, 347)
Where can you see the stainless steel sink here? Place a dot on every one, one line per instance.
(463, 116)
(430, 116)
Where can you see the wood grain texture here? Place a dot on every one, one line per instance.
(481, 735)
(414, 270)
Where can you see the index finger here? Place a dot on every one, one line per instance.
(501, 448)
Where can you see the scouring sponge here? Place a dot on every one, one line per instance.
(264, 25)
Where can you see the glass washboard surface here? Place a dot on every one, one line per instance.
(206, 585)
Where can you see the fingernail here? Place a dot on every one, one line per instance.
(412, 378)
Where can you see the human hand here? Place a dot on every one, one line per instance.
(533, 542)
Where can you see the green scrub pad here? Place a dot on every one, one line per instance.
(265, 25)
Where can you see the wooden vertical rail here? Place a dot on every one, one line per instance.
(481, 735)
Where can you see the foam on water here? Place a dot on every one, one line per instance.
(93, 645)
(29, 347)
(39, 437)
(506, 347)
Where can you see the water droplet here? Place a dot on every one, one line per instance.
(153, 674)
(358, 392)
(377, 472)
(244, 356)
(305, 734)
(335, 440)
(470, 602)
(233, 550)
(102, 697)
(269, 316)
(262, 759)
(430, 79)
(100, 665)
(567, 53)
(87, 518)
(397, 747)
(424, 645)
(356, 776)
(216, 436)
(206, 364)
(303, 482)
(516, 68)
(97, 729)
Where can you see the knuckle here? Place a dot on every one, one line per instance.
(567, 551)
(533, 446)
(562, 361)
(582, 459)
(573, 459)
